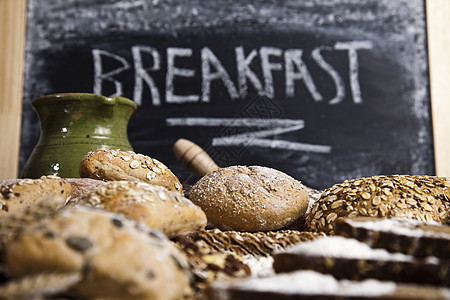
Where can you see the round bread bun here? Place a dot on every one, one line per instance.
(109, 165)
(152, 205)
(419, 197)
(250, 198)
(117, 258)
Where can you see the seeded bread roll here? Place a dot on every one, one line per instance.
(15, 221)
(19, 194)
(250, 198)
(116, 258)
(111, 165)
(424, 198)
(153, 205)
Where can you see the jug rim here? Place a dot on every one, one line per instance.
(82, 97)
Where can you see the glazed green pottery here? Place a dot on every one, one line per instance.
(72, 124)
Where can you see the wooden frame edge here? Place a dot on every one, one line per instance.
(12, 36)
(438, 32)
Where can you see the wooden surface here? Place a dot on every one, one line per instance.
(438, 22)
(12, 36)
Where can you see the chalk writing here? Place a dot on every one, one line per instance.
(273, 61)
(257, 137)
(141, 74)
(352, 48)
(109, 76)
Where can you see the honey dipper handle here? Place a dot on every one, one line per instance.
(193, 157)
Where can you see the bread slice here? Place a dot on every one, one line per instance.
(403, 235)
(313, 285)
(351, 259)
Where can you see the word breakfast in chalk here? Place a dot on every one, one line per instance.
(212, 69)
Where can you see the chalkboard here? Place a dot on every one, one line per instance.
(324, 90)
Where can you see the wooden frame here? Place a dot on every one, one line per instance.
(12, 37)
(438, 25)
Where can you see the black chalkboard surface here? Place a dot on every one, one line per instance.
(324, 90)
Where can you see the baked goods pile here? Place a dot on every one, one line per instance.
(127, 230)
(387, 237)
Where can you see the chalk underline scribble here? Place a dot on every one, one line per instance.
(256, 138)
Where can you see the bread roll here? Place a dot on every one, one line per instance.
(19, 194)
(81, 186)
(250, 198)
(117, 258)
(416, 197)
(152, 205)
(111, 165)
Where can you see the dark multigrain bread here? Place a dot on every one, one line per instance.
(315, 286)
(424, 198)
(420, 239)
(351, 259)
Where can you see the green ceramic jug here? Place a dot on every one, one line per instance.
(72, 124)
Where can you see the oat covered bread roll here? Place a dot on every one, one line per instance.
(152, 205)
(252, 198)
(117, 258)
(18, 194)
(417, 197)
(111, 165)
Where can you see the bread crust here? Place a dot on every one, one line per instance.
(152, 205)
(111, 165)
(252, 198)
(19, 194)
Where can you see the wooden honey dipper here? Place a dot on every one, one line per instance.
(193, 157)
